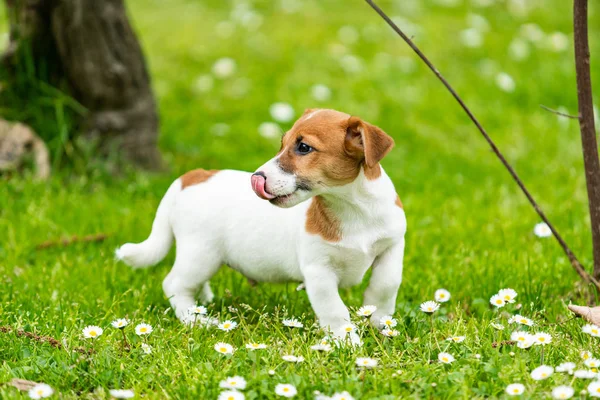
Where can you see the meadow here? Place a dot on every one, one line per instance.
(217, 69)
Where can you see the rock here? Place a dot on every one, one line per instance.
(17, 142)
(590, 314)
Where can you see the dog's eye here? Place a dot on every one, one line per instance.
(303, 148)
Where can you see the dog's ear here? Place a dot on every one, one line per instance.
(367, 140)
(308, 111)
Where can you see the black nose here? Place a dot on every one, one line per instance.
(260, 173)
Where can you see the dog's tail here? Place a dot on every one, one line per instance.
(156, 247)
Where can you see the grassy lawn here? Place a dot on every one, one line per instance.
(470, 230)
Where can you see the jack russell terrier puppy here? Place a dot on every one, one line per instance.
(322, 211)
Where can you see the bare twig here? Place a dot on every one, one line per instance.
(586, 123)
(572, 258)
(73, 239)
(41, 339)
(562, 114)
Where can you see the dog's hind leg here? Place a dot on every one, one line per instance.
(195, 264)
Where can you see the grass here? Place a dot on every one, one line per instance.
(470, 229)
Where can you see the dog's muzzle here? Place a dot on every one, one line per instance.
(259, 185)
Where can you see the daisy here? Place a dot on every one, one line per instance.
(92, 332)
(515, 389)
(227, 325)
(429, 307)
(285, 390)
(442, 295)
(542, 230)
(224, 67)
(120, 323)
(562, 392)
(224, 348)
(542, 338)
(500, 327)
(456, 339)
(497, 301)
(349, 328)
(524, 339)
(445, 358)
(585, 354)
(585, 374)
(146, 348)
(40, 391)
(269, 130)
(505, 82)
(281, 112)
(594, 389)
(143, 329)
(293, 323)
(366, 311)
(320, 92)
(519, 319)
(342, 396)
(256, 346)
(390, 332)
(121, 393)
(388, 321)
(542, 372)
(291, 358)
(592, 363)
(566, 367)
(593, 330)
(198, 310)
(366, 362)
(233, 382)
(231, 395)
(508, 295)
(321, 347)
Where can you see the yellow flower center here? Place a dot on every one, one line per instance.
(507, 297)
(349, 329)
(92, 333)
(598, 390)
(523, 321)
(542, 339)
(223, 349)
(233, 382)
(40, 392)
(445, 359)
(285, 389)
(499, 301)
(544, 374)
(143, 329)
(230, 398)
(515, 390)
(442, 296)
(226, 325)
(595, 331)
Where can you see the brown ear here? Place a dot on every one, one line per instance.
(372, 142)
(308, 111)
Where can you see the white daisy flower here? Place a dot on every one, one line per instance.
(441, 295)
(231, 395)
(390, 332)
(515, 389)
(542, 230)
(542, 338)
(321, 347)
(508, 295)
(233, 382)
(120, 323)
(143, 329)
(593, 330)
(349, 328)
(121, 393)
(500, 327)
(471, 37)
(429, 307)
(366, 311)
(224, 67)
(585, 374)
(92, 332)
(271, 372)
(351, 63)
(348, 34)
(445, 358)
(366, 362)
(203, 84)
(519, 319)
(456, 339)
(291, 358)
(40, 391)
(505, 82)
(285, 390)
(198, 310)
(269, 130)
(519, 49)
(563, 392)
(224, 348)
(566, 367)
(146, 348)
(559, 41)
(342, 396)
(542, 372)
(497, 301)
(585, 354)
(293, 323)
(594, 389)
(592, 363)
(388, 321)
(320, 92)
(256, 346)
(524, 339)
(281, 112)
(227, 325)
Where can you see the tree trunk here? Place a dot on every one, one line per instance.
(91, 44)
(586, 123)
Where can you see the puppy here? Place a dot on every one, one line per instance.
(322, 211)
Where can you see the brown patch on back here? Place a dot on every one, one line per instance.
(320, 220)
(196, 176)
(399, 202)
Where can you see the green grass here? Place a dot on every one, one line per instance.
(470, 229)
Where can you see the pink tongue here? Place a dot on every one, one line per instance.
(258, 185)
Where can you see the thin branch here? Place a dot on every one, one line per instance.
(562, 114)
(572, 258)
(72, 240)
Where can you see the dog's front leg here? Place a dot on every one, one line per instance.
(322, 288)
(385, 281)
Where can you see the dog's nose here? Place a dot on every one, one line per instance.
(259, 183)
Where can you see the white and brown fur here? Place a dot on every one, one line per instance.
(332, 213)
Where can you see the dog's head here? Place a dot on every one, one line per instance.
(324, 149)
